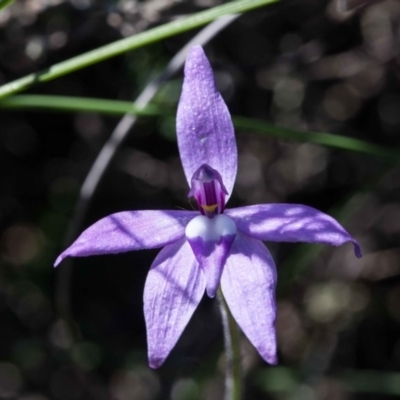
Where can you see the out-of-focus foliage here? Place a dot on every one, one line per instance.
(321, 66)
(133, 42)
(5, 3)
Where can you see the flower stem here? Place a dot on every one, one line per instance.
(233, 373)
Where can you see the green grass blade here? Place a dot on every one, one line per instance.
(127, 44)
(76, 104)
(325, 139)
(115, 107)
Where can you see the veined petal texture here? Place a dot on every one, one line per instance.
(248, 284)
(130, 230)
(174, 287)
(290, 223)
(203, 123)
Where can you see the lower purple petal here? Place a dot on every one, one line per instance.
(290, 223)
(212, 256)
(174, 287)
(130, 230)
(248, 285)
(211, 240)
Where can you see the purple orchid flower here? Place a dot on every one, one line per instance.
(213, 246)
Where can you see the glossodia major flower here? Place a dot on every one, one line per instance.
(214, 245)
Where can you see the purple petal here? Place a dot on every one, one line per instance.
(204, 126)
(212, 257)
(290, 223)
(211, 240)
(248, 284)
(130, 230)
(174, 287)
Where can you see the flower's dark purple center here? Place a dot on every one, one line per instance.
(208, 190)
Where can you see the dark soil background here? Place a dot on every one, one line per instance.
(309, 65)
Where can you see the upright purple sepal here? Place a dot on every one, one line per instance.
(248, 284)
(203, 123)
(290, 223)
(174, 287)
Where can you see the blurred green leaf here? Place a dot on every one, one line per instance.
(371, 381)
(5, 3)
(283, 379)
(278, 379)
